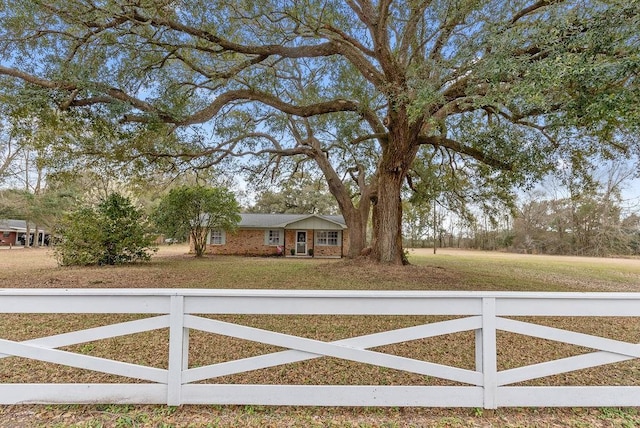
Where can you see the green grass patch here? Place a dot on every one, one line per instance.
(513, 272)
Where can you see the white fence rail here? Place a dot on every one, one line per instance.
(179, 310)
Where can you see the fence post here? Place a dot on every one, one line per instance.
(489, 353)
(178, 351)
(478, 343)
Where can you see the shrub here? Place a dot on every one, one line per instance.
(112, 233)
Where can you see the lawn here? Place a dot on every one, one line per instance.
(447, 270)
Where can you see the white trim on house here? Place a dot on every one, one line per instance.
(217, 237)
(301, 246)
(274, 237)
(328, 238)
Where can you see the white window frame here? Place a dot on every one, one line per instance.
(324, 240)
(211, 239)
(269, 237)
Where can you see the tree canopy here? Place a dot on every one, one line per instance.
(356, 86)
(298, 194)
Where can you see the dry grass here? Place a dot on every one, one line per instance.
(448, 270)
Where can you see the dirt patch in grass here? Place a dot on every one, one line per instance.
(363, 273)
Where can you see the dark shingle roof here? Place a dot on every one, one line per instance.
(282, 220)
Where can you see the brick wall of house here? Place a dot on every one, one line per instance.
(245, 242)
(327, 251)
(10, 239)
(290, 241)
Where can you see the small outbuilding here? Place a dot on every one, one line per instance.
(14, 232)
(290, 235)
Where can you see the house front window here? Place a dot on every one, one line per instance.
(328, 237)
(274, 237)
(216, 237)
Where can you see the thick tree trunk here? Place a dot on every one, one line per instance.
(355, 217)
(397, 157)
(357, 232)
(383, 193)
(387, 247)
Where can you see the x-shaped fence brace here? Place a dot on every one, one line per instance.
(302, 349)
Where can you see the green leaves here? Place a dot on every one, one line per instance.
(300, 194)
(114, 232)
(192, 211)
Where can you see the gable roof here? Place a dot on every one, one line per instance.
(281, 221)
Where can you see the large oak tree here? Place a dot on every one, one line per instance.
(357, 86)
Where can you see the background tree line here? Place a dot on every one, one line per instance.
(572, 214)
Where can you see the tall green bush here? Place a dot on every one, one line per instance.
(114, 232)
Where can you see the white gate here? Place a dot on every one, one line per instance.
(482, 312)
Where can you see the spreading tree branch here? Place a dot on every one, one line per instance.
(437, 141)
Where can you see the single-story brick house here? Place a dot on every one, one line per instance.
(291, 235)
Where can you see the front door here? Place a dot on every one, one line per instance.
(301, 242)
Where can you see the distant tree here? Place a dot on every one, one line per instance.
(298, 194)
(10, 149)
(192, 211)
(417, 223)
(588, 220)
(631, 226)
(112, 233)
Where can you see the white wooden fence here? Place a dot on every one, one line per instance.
(175, 309)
